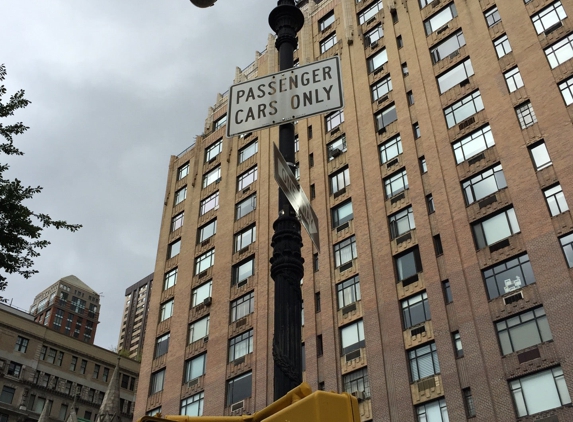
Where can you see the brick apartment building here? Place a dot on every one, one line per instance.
(443, 288)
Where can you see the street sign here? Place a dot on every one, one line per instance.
(285, 96)
(296, 197)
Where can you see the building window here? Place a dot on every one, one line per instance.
(523, 330)
(430, 204)
(540, 391)
(381, 88)
(248, 151)
(385, 117)
(423, 164)
(173, 249)
(239, 388)
(241, 272)
(21, 344)
(105, 375)
(495, 228)
(462, 109)
(390, 149)
(448, 47)
(177, 221)
(492, 16)
(440, 19)
(199, 329)
(373, 35)
(326, 21)
(73, 363)
(14, 369)
(195, 367)
(327, 43)
(166, 310)
(209, 203)
(153, 412)
(161, 346)
(193, 406)
(424, 3)
(183, 171)
(51, 357)
(508, 276)
(336, 147)
(180, 195)
(220, 122)
(416, 130)
(170, 279)
(377, 60)
(245, 238)
(455, 76)
(157, 381)
(457, 341)
(525, 115)
(7, 394)
(352, 337)
(341, 214)
(415, 310)
(96, 371)
(212, 176)
(396, 183)
(365, 15)
(473, 144)
(345, 251)
(339, 180)
(399, 41)
(567, 246)
(549, 18)
(434, 411)
(357, 381)
(405, 69)
(555, 200)
(63, 412)
(348, 292)
(296, 143)
(469, 403)
(408, 264)
(513, 79)
(334, 120)
(484, 184)
(246, 178)
(402, 222)
(213, 150)
(245, 207)
(560, 52)
(240, 345)
(205, 261)
(540, 156)
(206, 231)
(201, 293)
(566, 88)
(447, 290)
(439, 249)
(502, 46)
(243, 306)
(423, 362)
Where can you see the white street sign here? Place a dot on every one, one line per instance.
(285, 96)
(296, 197)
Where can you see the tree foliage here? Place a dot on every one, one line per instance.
(20, 227)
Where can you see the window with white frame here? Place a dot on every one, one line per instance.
(495, 228)
(492, 16)
(522, 331)
(396, 183)
(549, 18)
(434, 411)
(326, 21)
(566, 88)
(161, 345)
(357, 381)
(195, 367)
(408, 264)
(209, 203)
(424, 3)
(385, 117)
(390, 149)
(183, 171)
(212, 176)
(239, 388)
(525, 115)
(220, 122)
(539, 391)
(157, 381)
(440, 19)
(502, 46)
(170, 279)
(423, 362)
(345, 251)
(463, 109)
(193, 406)
(242, 271)
(567, 246)
(243, 306)
(180, 195)
(484, 184)
(241, 345)
(342, 213)
(213, 150)
(245, 237)
(327, 43)
(245, 207)
(352, 337)
(555, 200)
(366, 14)
(377, 60)
(381, 88)
(455, 76)
(201, 293)
(560, 52)
(473, 144)
(173, 249)
(415, 310)
(206, 231)
(248, 151)
(177, 221)
(336, 147)
(339, 180)
(508, 276)
(334, 120)
(348, 292)
(513, 79)
(246, 178)
(373, 35)
(448, 47)
(166, 310)
(401, 222)
(199, 329)
(205, 261)
(540, 156)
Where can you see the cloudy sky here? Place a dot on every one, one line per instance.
(117, 87)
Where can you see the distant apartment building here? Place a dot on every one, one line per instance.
(40, 367)
(134, 319)
(69, 306)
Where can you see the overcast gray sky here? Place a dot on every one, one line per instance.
(117, 87)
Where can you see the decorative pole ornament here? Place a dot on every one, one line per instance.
(203, 3)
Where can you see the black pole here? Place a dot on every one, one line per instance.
(287, 263)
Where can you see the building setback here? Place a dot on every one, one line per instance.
(443, 287)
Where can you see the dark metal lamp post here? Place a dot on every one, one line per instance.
(286, 263)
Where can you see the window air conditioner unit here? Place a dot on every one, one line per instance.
(242, 282)
(205, 339)
(374, 44)
(208, 301)
(235, 407)
(336, 152)
(359, 395)
(192, 383)
(511, 285)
